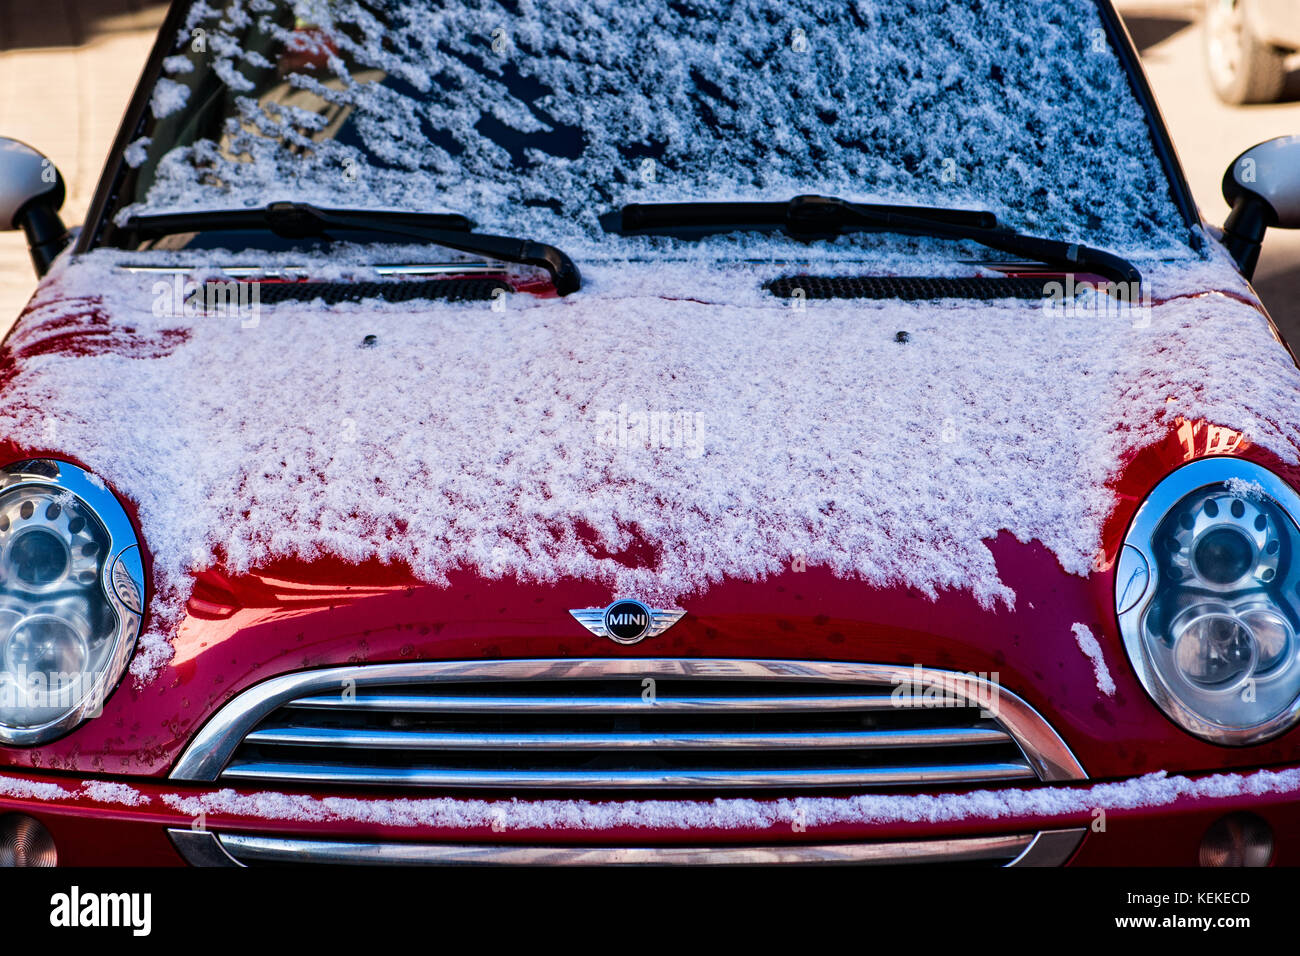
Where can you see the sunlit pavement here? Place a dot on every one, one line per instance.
(66, 72)
(1209, 135)
(67, 69)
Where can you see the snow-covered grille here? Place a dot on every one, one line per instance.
(626, 725)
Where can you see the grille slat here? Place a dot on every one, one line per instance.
(403, 740)
(595, 705)
(441, 777)
(205, 848)
(595, 726)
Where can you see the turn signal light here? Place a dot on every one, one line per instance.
(25, 842)
(1239, 839)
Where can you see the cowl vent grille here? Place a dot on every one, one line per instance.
(333, 293)
(907, 288)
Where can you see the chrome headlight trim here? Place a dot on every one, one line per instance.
(121, 584)
(1138, 582)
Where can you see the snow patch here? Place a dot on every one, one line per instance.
(100, 791)
(21, 789)
(168, 97)
(137, 152)
(180, 63)
(1092, 650)
(1250, 489)
(105, 792)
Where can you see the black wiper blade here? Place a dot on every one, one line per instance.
(301, 220)
(824, 217)
(802, 216)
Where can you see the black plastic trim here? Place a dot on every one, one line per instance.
(908, 288)
(406, 290)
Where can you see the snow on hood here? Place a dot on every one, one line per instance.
(509, 442)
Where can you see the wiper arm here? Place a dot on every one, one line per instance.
(824, 217)
(301, 220)
(289, 219)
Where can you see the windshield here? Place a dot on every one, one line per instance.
(538, 116)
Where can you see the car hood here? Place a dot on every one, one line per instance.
(680, 438)
(630, 436)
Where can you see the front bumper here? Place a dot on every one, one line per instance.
(1146, 821)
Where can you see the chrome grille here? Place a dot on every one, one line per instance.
(205, 848)
(621, 725)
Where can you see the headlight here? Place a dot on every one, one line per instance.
(1207, 595)
(71, 596)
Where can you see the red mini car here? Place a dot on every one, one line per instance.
(692, 431)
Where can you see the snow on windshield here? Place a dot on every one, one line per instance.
(536, 116)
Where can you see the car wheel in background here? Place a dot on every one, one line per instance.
(1242, 67)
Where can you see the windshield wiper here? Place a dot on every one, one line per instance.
(293, 220)
(824, 217)
(802, 216)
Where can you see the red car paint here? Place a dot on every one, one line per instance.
(293, 615)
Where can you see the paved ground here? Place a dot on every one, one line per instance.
(67, 68)
(1209, 135)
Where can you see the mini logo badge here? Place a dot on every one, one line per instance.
(627, 622)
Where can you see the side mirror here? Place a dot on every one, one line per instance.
(1263, 188)
(31, 193)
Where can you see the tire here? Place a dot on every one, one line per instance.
(1242, 67)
